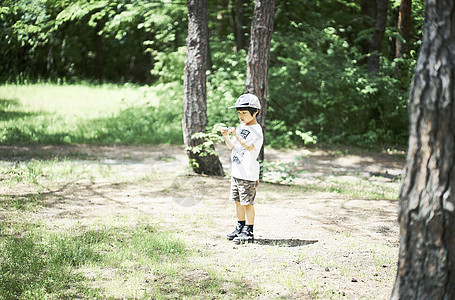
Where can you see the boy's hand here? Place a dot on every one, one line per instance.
(226, 130)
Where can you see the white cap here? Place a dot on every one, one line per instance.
(247, 100)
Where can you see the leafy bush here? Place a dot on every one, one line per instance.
(316, 86)
(225, 83)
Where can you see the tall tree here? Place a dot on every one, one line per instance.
(238, 22)
(194, 95)
(368, 10)
(427, 201)
(259, 56)
(98, 47)
(378, 36)
(404, 25)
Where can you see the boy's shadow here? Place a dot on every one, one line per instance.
(284, 242)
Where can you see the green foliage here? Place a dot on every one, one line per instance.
(319, 89)
(316, 86)
(169, 67)
(279, 172)
(226, 82)
(208, 139)
(97, 40)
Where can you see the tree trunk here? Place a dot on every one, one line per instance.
(404, 25)
(378, 35)
(194, 96)
(238, 22)
(259, 57)
(368, 9)
(427, 205)
(99, 57)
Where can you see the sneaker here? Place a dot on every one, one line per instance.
(236, 232)
(246, 236)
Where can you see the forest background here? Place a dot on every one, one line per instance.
(322, 88)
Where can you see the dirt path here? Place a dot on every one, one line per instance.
(312, 240)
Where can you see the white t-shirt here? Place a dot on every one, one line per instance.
(244, 163)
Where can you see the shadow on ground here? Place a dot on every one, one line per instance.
(284, 242)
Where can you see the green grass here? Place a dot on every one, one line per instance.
(48, 173)
(354, 189)
(36, 264)
(106, 114)
(115, 258)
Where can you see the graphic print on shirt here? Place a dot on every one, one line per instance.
(240, 151)
(238, 155)
(244, 133)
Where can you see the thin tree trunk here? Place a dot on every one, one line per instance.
(404, 25)
(194, 97)
(50, 61)
(427, 203)
(378, 35)
(259, 57)
(368, 9)
(238, 22)
(99, 57)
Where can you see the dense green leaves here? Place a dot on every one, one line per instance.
(79, 39)
(319, 88)
(326, 93)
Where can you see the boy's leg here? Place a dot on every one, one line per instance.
(247, 231)
(247, 197)
(240, 221)
(241, 211)
(250, 214)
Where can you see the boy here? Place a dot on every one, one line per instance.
(245, 143)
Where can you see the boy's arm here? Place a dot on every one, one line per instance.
(228, 142)
(225, 132)
(243, 142)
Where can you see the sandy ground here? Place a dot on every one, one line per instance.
(310, 243)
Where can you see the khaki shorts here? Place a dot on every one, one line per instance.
(243, 191)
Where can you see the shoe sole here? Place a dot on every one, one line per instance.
(231, 238)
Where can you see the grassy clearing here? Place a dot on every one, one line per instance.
(49, 173)
(360, 189)
(65, 114)
(137, 256)
(111, 258)
(354, 189)
(87, 101)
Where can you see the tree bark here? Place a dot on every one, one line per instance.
(427, 203)
(378, 35)
(194, 96)
(238, 22)
(404, 25)
(98, 66)
(368, 9)
(259, 57)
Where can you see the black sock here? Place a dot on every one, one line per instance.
(241, 223)
(249, 228)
